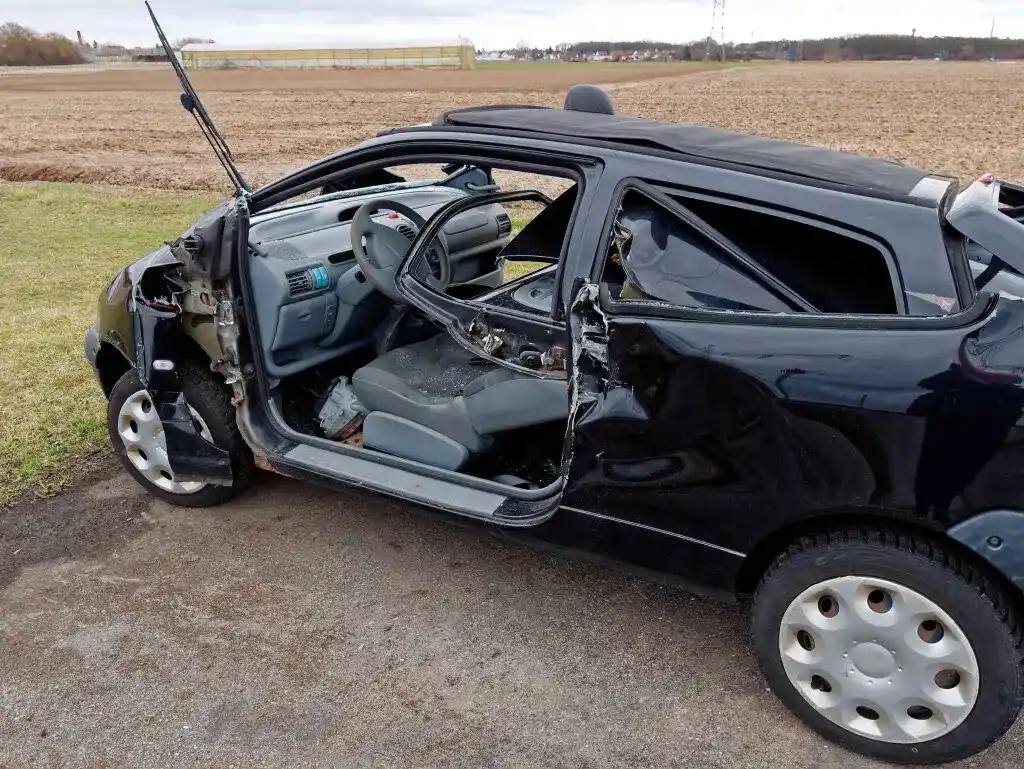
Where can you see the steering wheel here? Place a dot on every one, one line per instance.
(386, 249)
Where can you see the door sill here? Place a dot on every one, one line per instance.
(402, 484)
(460, 480)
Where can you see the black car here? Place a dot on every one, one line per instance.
(775, 373)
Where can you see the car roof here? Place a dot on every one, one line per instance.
(696, 143)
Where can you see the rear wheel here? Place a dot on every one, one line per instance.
(137, 436)
(890, 646)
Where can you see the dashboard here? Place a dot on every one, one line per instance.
(312, 300)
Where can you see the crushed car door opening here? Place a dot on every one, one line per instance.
(469, 392)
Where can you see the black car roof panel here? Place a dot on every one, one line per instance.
(699, 143)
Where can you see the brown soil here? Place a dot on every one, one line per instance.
(503, 78)
(957, 119)
(75, 524)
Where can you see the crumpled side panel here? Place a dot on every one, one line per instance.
(155, 307)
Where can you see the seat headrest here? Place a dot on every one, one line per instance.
(588, 98)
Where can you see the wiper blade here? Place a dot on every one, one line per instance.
(192, 104)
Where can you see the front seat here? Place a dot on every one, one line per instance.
(435, 402)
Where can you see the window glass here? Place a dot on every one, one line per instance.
(655, 255)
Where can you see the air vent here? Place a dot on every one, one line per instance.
(300, 282)
(312, 279)
(410, 233)
(504, 225)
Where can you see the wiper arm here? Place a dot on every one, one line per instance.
(192, 104)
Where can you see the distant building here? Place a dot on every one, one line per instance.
(111, 51)
(148, 54)
(457, 53)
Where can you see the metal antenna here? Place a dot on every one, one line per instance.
(717, 19)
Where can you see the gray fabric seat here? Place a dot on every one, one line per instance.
(440, 385)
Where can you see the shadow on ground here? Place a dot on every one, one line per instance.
(301, 626)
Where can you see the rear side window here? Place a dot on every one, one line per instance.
(656, 255)
(711, 255)
(834, 272)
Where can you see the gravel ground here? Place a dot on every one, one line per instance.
(303, 627)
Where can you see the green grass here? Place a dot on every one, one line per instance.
(59, 246)
(513, 270)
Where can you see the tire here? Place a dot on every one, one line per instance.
(215, 416)
(943, 611)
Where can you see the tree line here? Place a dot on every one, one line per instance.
(888, 47)
(23, 47)
(855, 47)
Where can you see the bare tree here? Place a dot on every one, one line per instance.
(12, 29)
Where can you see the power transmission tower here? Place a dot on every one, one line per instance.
(717, 20)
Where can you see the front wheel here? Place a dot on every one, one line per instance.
(890, 646)
(137, 437)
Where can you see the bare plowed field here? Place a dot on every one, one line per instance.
(496, 77)
(126, 128)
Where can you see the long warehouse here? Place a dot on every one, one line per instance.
(456, 53)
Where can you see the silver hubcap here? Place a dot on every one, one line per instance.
(879, 659)
(142, 434)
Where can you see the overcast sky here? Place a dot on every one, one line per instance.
(503, 23)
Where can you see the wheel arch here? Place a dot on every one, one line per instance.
(996, 537)
(111, 365)
(761, 556)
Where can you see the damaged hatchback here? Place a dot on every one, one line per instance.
(775, 373)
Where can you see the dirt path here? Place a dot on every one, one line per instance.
(299, 626)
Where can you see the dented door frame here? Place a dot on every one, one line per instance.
(469, 321)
